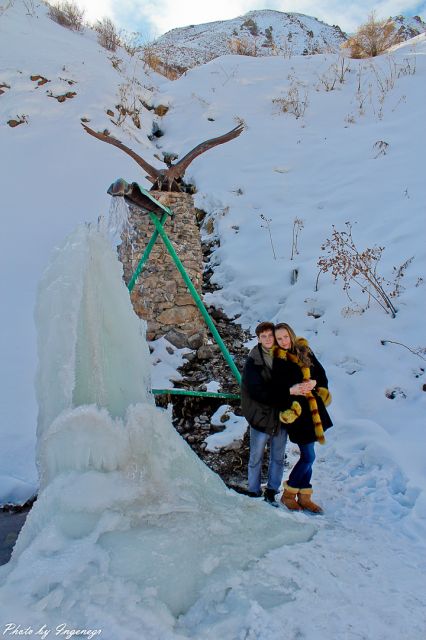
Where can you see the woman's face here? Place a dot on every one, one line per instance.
(283, 338)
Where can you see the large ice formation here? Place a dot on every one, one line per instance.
(130, 528)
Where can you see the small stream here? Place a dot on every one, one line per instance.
(11, 522)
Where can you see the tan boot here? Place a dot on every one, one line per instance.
(288, 498)
(304, 500)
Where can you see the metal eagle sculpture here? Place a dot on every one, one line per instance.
(169, 179)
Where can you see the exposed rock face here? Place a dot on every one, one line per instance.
(160, 295)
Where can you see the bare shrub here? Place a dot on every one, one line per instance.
(159, 64)
(242, 47)
(129, 105)
(5, 7)
(107, 34)
(356, 267)
(132, 42)
(267, 226)
(297, 228)
(417, 351)
(372, 38)
(286, 47)
(295, 102)
(30, 7)
(381, 148)
(67, 14)
(335, 74)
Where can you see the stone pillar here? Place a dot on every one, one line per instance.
(160, 295)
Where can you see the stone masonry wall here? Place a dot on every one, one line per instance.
(160, 295)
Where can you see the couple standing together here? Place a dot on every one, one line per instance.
(284, 393)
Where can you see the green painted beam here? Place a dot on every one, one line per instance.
(198, 394)
(145, 255)
(193, 291)
(160, 231)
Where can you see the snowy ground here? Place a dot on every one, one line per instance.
(361, 575)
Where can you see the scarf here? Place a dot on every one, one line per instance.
(313, 406)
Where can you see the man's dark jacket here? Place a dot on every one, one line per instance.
(258, 401)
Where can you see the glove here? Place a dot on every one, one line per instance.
(290, 415)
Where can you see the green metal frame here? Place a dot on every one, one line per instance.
(197, 394)
(160, 231)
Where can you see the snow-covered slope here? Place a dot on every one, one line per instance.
(261, 33)
(353, 155)
(53, 176)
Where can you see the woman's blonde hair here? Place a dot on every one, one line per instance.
(302, 351)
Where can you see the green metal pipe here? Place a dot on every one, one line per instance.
(145, 255)
(199, 394)
(196, 296)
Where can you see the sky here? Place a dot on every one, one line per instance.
(152, 18)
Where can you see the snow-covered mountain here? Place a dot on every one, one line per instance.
(260, 33)
(326, 142)
(409, 27)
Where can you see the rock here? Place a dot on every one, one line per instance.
(183, 300)
(195, 341)
(216, 313)
(174, 316)
(161, 110)
(156, 131)
(206, 352)
(209, 226)
(189, 356)
(215, 428)
(176, 338)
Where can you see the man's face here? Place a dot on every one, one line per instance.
(266, 339)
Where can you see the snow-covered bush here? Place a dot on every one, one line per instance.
(107, 34)
(372, 38)
(242, 47)
(67, 14)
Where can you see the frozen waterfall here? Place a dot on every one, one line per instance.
(130, 530)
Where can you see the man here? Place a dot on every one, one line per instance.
(260, 407)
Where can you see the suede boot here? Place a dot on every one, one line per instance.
(288, 498)
(304, 500)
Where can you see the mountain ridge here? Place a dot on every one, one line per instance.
(261, 33)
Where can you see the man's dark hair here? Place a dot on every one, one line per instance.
(264, 326)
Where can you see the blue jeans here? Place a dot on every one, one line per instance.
(277, 444)
(300, 476)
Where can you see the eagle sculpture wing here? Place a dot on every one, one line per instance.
(177, 170)
(153, 173)
(167, 177)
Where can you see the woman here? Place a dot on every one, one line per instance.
(301, 379)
